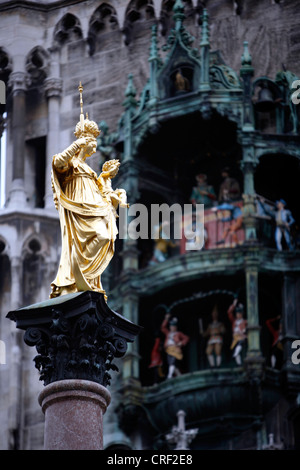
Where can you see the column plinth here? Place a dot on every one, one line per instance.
(74, 412)
(77, 337)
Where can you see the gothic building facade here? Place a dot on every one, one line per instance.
(180, 89)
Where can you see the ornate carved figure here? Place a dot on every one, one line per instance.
(214, 333)
(284, 220)
(181, 82)
(239, 326)
(87, 209)
(277, 348)
(162, 244)
(203, 193)
(156, 363)
(230, 188)
(235, 219)
(174, 341)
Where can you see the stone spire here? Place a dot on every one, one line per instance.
(155, 63)
(204, 53)
(179, 15)
(130, 93)
(205, 33)
(246, 57)
(153, 46)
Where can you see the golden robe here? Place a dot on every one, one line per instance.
(88, 225)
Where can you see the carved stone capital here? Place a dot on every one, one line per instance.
(53, 87)
(18, 81)
(77, 336)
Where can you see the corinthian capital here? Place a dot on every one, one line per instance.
(53, 87)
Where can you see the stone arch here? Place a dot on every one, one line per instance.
(5, 64)
(37, 65)
(3, 246)
(33, 268)
(6, 67)
(103, 20)
(67, 29)
(137, 11)
(140, 10)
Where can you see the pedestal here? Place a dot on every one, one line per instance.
(74, 412)
(77, 337)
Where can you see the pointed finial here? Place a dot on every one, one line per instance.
(153, 46)
(130, 93)
(246, 57)
(205, 29)
(80, 88)
(130, 90)
(179, 15)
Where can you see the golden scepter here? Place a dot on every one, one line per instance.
(80, 88)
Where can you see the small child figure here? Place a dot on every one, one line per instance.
(116, 197)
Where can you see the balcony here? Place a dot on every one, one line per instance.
(189, 266)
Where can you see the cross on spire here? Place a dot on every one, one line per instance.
(179, 435)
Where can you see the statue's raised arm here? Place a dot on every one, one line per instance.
(87, 211)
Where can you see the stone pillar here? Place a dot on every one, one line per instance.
(249, 200)
(77, 337)
(129, 177)
(248, 165)
(247, 73)
(132, 357)
(17, 82)
(16, 282)
(15, 369)
(254, 359)
(53, 88)
(252, 308)
(74, 414)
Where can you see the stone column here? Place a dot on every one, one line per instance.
(15, 369)
(249, 200)
(254, 359)
(77, 337)
(17, 82)
(247, 72)
(132, 357)
(53, 88)
(74, 414)
(129, 177)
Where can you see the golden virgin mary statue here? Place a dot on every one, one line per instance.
(87, 207)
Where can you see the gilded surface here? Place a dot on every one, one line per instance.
(87, 207)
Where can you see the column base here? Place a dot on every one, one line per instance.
(17, 195)
(74, 412)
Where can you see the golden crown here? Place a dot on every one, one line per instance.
(85, 127)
